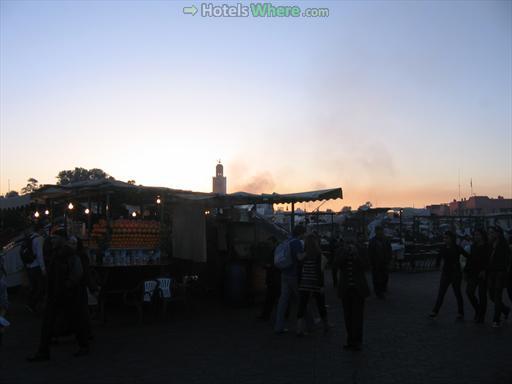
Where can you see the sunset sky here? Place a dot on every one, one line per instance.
(389, 100)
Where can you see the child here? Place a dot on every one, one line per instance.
(4, 303)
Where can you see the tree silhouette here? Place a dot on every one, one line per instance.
(32, 186)
(81, 174)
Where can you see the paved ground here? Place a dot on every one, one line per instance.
(222, 345)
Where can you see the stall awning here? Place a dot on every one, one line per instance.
(244, 198)
(208, 200)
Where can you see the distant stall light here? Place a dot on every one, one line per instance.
(71, 206)
(158, 200)
(46, 212)
(134, 214)
(206, 212)
(36, 214)
(87, 211)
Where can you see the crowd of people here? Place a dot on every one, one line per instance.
(58, 273)
(487, 270)
(59, 277)
(487, 273)
(303, 279)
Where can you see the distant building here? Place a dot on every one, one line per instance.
(474, 206)
(219, 180)
(439, 209)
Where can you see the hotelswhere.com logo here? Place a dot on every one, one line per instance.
(263, 10)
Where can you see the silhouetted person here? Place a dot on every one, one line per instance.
(353, 291)
(476, 271)
(64, 276)
(379, 253)
(272, 281)
(82, 319)
(499, 263)
(451, 274)
(311, 282)
(334, 246)
(509, 289)
(4, 301)
(36, 268)
(289, 279)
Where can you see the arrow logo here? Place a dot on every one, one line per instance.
(190, 10)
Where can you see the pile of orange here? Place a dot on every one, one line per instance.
(128, 234)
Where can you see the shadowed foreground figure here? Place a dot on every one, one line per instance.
(451, 274)
(272, 281)
(379, 253)
(499, 263)
(475, 270)
(353, 291)
(64, 299)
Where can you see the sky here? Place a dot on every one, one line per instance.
(394, 101)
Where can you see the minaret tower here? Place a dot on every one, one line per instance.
(219, 180)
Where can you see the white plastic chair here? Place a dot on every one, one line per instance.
(164, 284)
(149, 288)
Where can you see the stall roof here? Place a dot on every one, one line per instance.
(14, 202)
(211, 200)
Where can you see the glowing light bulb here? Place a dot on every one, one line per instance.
(134, 214)
(47, 212)
(158, 201)
(36, 214)
(70, 206)
(87, 211)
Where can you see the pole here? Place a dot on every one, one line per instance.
(89, 217)
(332, 225)
(292, 218)
(401, 212)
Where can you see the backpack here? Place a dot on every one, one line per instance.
(283, 255)
(26, 251)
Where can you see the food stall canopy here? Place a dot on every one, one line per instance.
(15, 202)
(244, 198)
(90, 188)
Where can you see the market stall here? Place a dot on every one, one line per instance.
(132, 233)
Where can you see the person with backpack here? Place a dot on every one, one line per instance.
(286, 258)
(64, 278)
(32, 256)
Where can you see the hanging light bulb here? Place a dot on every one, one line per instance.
(71, 206)
(46, 212)
(36, 214)
(87, 211)
(134, 214)
(158, 200)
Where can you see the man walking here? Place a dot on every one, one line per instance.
(290, 279)
(353, 291)
(33, 258)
